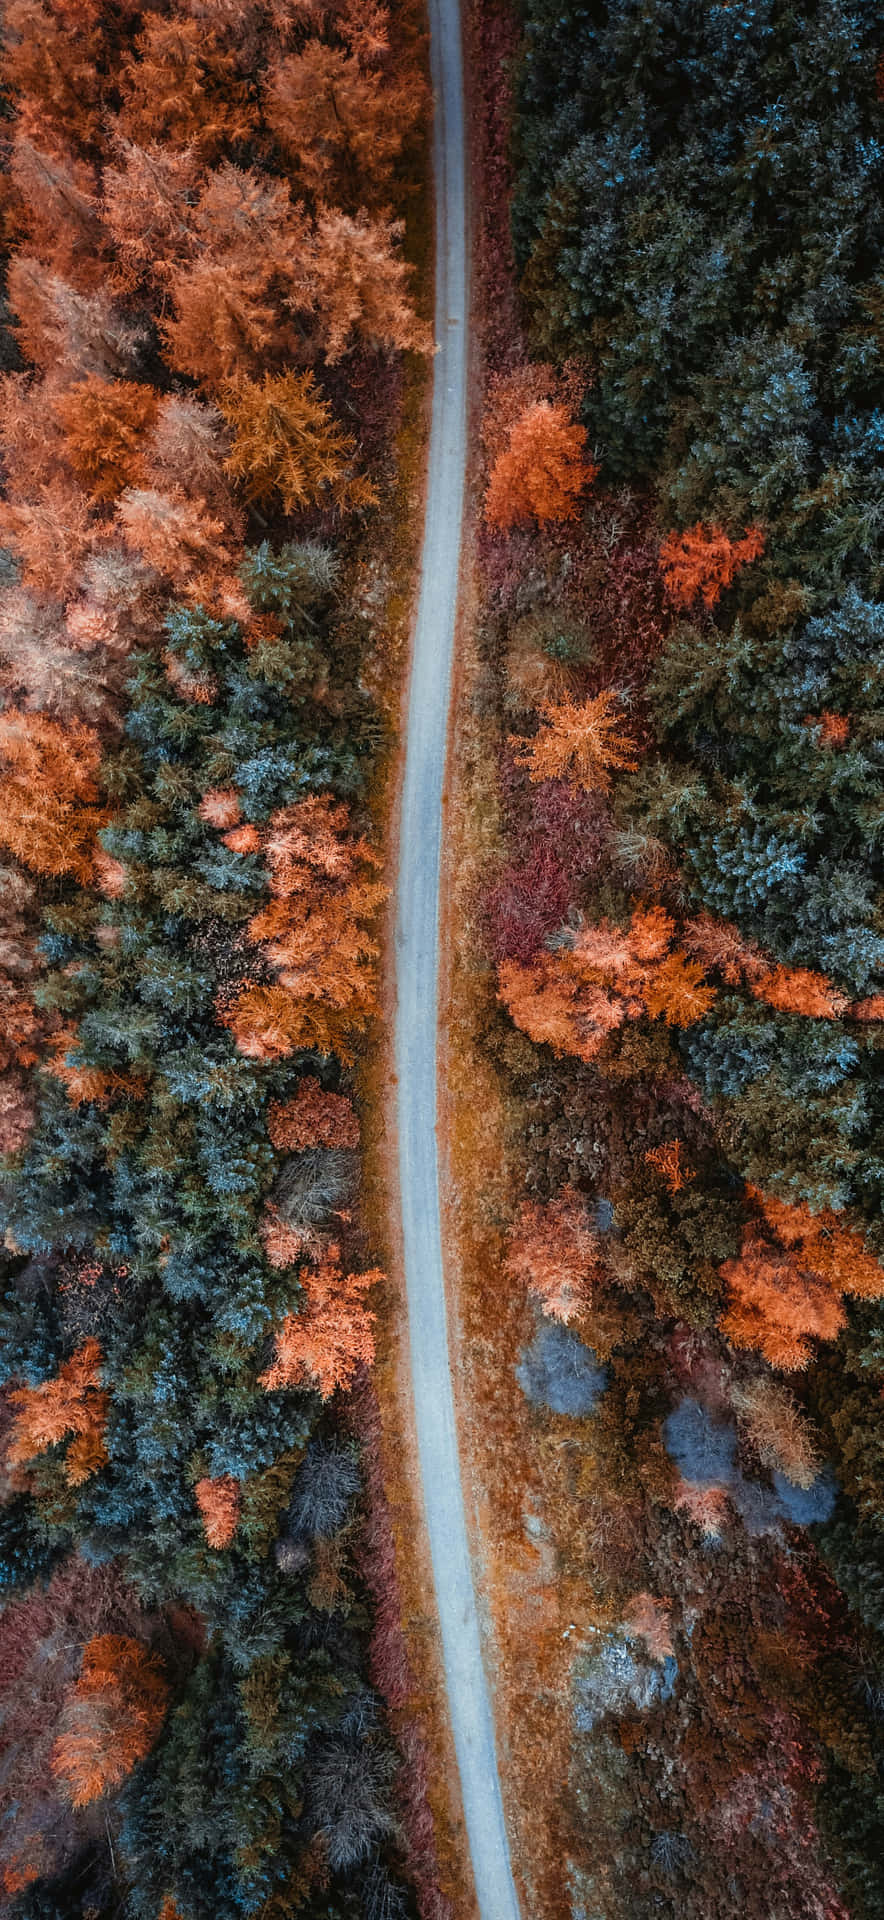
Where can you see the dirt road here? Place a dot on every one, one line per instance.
(417, 968)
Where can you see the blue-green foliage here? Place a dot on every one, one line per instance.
(161, 1191)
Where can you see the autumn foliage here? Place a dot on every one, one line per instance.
(788, 1284)
(313, 1118)
(584, 743)
(49, 811)
(554, 1253)
(701, 562)
(72, 1407)
(542, 472)
(112, 1718)
(219, 1506)
(322, 1345)
(315, 935)
(596, 978)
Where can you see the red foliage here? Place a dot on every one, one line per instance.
(321, 1346)
(702, 561)
(668, 1163)
(219, 1503)
(542, 472)
(529, 898)
(112, 1718)
(799, 990)
(312, 1119)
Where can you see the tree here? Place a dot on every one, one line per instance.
(177, 537)
(667, 1161)
(112, 1719)
(249, 267)
(314, 933)
(342, 127)
(219, 1502)
(72, 1404)
(702, 561)
(182, 87)
(146, 207)
(60, 210)
(592, 980)
(313, 1118)
(800, 990)
(777, 1429)
(105, 425)
(322, 1346)
(67, 332)
(787, 1284)
(49, 811)
(553, 1251)
(542, 472)
(52, 56)
(285, 442)
(581, 743)
(361, 283)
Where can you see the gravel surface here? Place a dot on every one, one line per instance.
(417, 968)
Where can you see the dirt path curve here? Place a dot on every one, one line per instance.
(417, 969)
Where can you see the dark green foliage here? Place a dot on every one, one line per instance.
(698, 218)
(138, 1214)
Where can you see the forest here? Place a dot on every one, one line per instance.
(665, 1101)
(208, 309)
(679, 964)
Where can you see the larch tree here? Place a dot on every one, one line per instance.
(583, 742)
(800, 990)
(701, 562)
(219, 1502)
(49, 811)
(322, 1345)
(111, 1720)
(71, 1407)
(105, 425)
(147, 200)
(361, 281)
(787, 1284)
(181, 86)
(287, 444)
(542, 472)
(59, 217)
(593, 979)
(249, 269)
(553, 1251)
(315, 933)
(342, 125)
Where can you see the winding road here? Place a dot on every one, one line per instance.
(417, 986)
